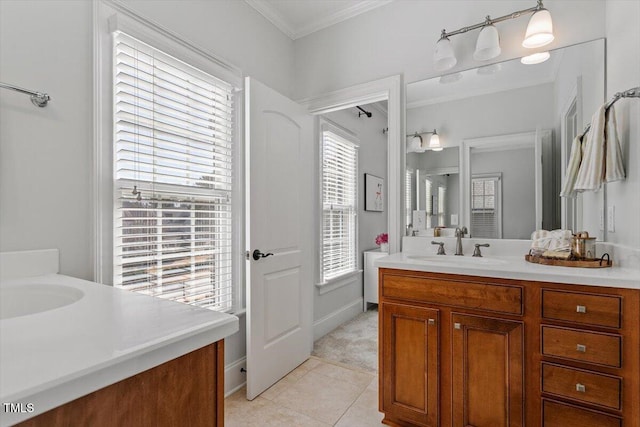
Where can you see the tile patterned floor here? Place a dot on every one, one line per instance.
(318, 393)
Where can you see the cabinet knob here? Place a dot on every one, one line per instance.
(581, 309)
(432, 321)
(581, 388)
(456, 326)
(581, 348)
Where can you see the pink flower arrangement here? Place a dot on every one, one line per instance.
(382, 238)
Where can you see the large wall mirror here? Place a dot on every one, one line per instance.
(506, 131)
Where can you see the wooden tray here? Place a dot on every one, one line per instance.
(583, 263)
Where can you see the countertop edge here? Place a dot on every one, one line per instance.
(540, 276)
(86, 382)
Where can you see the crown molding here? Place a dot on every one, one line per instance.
(277, 19)
(339, 16)
(272, 14)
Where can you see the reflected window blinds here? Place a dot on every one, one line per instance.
(173, 127)
(485, 193)
(339, 212)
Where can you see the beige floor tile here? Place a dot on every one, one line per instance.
(305, 367)
(320, 397)
(273, 391)
(361, 379)
(261, 412)
(363, 412)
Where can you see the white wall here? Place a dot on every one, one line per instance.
(623, 72)
(400, 37)
(372, 159)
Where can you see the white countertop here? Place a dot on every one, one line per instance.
(515, 267)
(52, 357)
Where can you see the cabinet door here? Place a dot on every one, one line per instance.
(409, 355)
(487, 365)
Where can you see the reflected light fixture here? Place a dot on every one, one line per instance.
(416, 145)
(450, 78)
(536, 58)
(539, 33)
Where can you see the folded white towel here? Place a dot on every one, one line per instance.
(557, 240)
(572, 169)
(614, 167)
(591, 172)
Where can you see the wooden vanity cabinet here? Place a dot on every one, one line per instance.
(186, 391)
(467, 351)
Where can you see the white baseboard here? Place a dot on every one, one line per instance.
(332, 320)
(234, 378)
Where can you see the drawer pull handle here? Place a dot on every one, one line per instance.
(456, 325)
(581, 348)
(432, 321)
(581, 388)
(581, 309)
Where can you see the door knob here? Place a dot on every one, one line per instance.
(257, 254)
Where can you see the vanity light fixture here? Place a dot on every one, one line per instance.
(416, 145)
(539, 33)
(536, 58)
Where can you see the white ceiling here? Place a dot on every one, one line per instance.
(298, 18)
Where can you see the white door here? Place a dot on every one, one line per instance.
(279, 201)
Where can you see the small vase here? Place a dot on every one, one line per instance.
(384, 247)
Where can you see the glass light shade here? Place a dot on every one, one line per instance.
(450, 78)
(488, 44)
(434, 143)
(489, 69)
(539, 31)
(416, 144)
(444, 57)
(535, 58)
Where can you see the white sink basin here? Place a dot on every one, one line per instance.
(23, 300)
(456, 260)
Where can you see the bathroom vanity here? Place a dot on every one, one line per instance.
(76, 352)
(500, 342)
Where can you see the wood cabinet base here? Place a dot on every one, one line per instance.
(188, 391)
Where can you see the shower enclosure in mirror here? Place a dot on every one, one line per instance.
(507, 130)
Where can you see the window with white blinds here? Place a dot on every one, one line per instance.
(428, 194)
(442, 202)
(339, 205)
(408, 196)
(173, 128)
(485, 207)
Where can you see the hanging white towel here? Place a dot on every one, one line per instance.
(614, 166)
(591, 173)
(572, 169)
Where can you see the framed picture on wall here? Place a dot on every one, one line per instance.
(373, 193)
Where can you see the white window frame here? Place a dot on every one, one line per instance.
(343, 279)
(110, 17)
(497, 178)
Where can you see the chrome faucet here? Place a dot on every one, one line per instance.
(460, 232)
(440, 247)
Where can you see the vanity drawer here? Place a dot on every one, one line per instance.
(582, 385)
(556, 414)
(589, 309)
(591, 347)
(481, 296)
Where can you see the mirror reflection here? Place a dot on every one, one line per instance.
(506, 130)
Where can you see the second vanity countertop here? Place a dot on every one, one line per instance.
(52, 357)
(512, 267)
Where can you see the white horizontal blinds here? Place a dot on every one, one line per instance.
(339, 192)
(173, 129)
(429, 201)
(484, 214)
(442, 198)
(408, 196)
